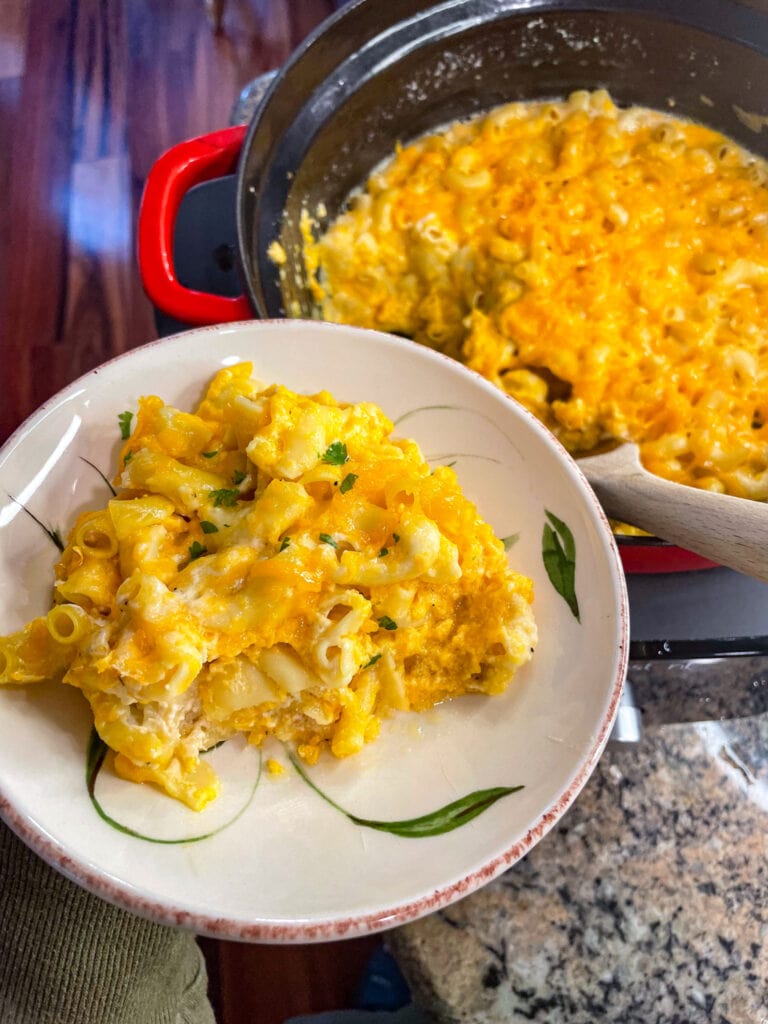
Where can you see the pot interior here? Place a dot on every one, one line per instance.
(369, 80)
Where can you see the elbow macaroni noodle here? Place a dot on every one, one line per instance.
(606, 267)
(274, 565)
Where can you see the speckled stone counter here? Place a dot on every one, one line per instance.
(648, 903)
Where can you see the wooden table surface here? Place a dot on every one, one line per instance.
(91, 93)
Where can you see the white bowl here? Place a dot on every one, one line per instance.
(282, 864)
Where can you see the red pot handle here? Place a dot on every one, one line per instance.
(172, 176)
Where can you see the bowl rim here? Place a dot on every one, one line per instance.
(128, 897)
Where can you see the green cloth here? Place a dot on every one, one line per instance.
(67, 957)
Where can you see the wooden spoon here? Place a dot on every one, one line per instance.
(731, 531)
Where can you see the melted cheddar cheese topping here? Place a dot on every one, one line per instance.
(273, 564)
(606, 267)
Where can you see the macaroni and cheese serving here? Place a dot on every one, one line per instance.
(606, 267)
(275, 565)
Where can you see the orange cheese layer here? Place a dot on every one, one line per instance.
(606, 267)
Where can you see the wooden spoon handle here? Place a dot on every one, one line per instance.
(731, 531)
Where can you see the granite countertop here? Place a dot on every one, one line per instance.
(649, 901)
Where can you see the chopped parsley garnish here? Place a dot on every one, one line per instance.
(336, 454)
(238, 476)
(196, 549)
(326, 538)
(372, 661)
(124, 419)
(208, 527)
(348, 482)
(386, 623)
(383, 552)
(285, 542)
(127, 457)
(395, 537)
(210, 455)
(224, 497)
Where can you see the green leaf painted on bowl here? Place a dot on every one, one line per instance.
(434, 457)
(436, 823)
(558, 550)
(103, 475)
(95, 755)
(51, 532)
(443, 820)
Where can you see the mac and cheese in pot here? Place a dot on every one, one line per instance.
(606, 267)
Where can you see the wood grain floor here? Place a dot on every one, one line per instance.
(91, 92)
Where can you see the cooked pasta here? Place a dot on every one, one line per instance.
(276, 565)
(606, 267)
